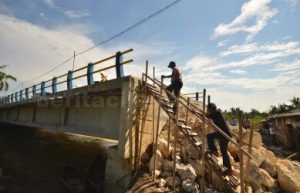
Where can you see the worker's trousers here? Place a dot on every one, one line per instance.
(223, 143)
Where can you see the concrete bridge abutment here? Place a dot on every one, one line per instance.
(116, 109)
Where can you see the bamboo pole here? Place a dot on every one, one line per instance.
(169, 133)
(153, 115)
(203, 142)
(157, 129)
(139, 136)
(175, 130)
(248, 160)
(186, 122)
(241, 153)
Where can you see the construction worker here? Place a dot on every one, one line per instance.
(176, 83)
(218, 120)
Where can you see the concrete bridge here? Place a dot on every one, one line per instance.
(109, 109)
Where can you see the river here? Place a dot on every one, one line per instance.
(31, 159)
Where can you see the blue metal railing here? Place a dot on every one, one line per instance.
(33, 91)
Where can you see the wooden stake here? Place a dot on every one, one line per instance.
(175, 130)
(248, 160)
(203, 141)
(157, 128)
(241, 153)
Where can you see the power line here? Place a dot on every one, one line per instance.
(108, 39)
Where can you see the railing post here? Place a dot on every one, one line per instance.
(119, 67)
(16, 97)
(26, 93)
(54, 85)
(12, 98)
(208, 99)
(43, 91)
(69, 80)
(33, 91)
(197, 96)
(90, 77)
(21, 95)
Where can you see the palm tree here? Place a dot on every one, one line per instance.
(295, 102)
(4, 79)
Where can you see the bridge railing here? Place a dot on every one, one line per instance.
(68, 79)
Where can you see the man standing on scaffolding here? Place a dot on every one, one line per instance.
(219, 121)
(176, 83)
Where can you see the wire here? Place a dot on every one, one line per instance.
(108, 39)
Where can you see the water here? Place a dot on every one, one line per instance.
(32, 159)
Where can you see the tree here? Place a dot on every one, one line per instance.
(295, 102)
(273, 110)
(4, 79)
(282, 108)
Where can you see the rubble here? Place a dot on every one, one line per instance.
(267, 173)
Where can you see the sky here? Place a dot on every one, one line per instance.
(246, 54)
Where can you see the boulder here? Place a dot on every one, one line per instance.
(166, 174)
(257, 157)
(186, 171)
(167, 166)
(170, 181)
(162, 146)
(192, 153)
(267, 154)
(255, 177)
(196, 164)
(233, 149)
(190, 186)
(270, 168)
(162, 182)
(159, 161)
(288, 175)
(266, 179)
(256, 140)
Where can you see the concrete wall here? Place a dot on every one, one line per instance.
(117, 109)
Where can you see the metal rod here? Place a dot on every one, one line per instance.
(241, 153)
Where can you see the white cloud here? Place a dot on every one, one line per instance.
(31, 50)
(199, 62)
(291, 47)
(50, 3)
(238, 71)
(293, 66)
(256, 10)
(222, 43)
(76, 14)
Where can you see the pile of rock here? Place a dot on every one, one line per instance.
(185, 175)
(266, 172)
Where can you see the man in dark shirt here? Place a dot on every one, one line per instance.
(219, 121)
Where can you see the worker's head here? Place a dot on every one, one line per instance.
(211, 107)
(172, 64)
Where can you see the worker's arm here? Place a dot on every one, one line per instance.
(168, 76)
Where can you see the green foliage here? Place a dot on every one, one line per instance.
(4, 78)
